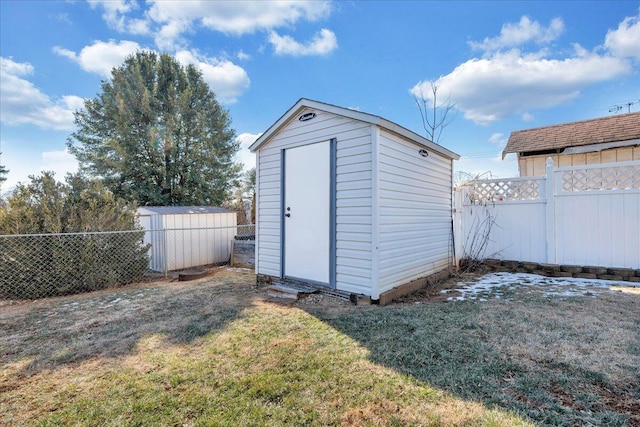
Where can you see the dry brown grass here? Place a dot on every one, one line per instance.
(584, 333)
(111, 322)
(216, 351)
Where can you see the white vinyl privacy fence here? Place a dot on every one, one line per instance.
(577, 215)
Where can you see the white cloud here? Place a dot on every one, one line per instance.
(22, 166)
(115, 12)
(61, 162)
(527, 117)
(100, 57)
(239, 17)
(625, 40)
(323, 43)
(169, 20)
(226, 79)
(491, 89)
(498, 139)
(12, 68)
(514, 82)
(244, 156)
(169, 37)
(517, 34)
(243, 56)
(61, 17)
(138, 27)
(23, 103)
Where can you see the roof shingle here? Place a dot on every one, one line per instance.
(621, 127)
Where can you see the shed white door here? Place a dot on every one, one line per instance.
(306, 210)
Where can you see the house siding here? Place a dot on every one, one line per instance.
(414, 212)
(353, 195)
(536, 165)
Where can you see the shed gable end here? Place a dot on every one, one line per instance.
(353, 193)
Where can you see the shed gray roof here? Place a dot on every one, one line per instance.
(352, 114)
(181, 210)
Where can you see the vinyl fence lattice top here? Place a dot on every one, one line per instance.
(504, 190)
(571, 179)
(605, 178)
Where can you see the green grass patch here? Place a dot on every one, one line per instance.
(216, 353)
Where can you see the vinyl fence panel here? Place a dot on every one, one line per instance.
(578, 215)
(597, 211)
(504, 219)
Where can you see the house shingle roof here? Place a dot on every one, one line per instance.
(621, 127)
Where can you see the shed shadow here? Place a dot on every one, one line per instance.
(68, 331)
(448, 347)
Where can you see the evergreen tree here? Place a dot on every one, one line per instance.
(45, 205)
(36, 207)
(157, 135)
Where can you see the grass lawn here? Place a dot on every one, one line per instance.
(216, 352)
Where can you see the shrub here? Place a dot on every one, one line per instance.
(67, 238)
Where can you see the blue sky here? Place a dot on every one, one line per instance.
(505, 65)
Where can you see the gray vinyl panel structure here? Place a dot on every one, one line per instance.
(187, 236)
(390, 201)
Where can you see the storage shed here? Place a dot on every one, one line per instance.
(187, 236)
(351, 201)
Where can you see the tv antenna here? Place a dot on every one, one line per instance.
(616, 108)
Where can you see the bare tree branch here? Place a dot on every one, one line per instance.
(435, 116)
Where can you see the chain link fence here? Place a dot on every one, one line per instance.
(44, 265)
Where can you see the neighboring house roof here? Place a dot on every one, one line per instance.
(181, 210)
(352, 114)
(611, 129)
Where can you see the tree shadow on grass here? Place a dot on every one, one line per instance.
(68, 331)
(447, 347)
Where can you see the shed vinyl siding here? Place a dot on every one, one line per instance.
(193, 240)
(414, 212)
(268, 212)
(155, 238)
(187, 240)
(353, 195)
(353, 211)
